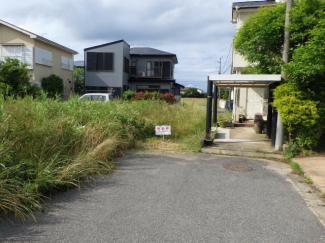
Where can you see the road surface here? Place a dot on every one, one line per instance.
(176, 198)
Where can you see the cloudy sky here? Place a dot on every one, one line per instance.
(199, 32)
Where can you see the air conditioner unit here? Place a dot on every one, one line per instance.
(141, 74)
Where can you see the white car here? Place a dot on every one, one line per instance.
(98, 97)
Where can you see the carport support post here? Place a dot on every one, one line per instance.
(215, 104)
(209, 110)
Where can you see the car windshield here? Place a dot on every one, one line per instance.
(95, 97)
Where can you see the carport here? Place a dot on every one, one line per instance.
(242, 81)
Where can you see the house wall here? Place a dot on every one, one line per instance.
(9, 35)
(239, 61)
(42, 71)
(115, 78)
(163, 85)
(126, 53)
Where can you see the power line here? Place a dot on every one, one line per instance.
(227, 57)
(226, 70)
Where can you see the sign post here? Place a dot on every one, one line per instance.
(163, 130)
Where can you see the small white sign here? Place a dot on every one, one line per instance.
(163, 130)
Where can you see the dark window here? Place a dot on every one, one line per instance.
(126, 64)
(91, 61)
(108, 60)
(166, 70)
(100, 61)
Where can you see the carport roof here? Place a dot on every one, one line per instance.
(245, 80)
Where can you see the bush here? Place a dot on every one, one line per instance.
(14, 79)
(127, 95)
(78, 76)
(300, 115)
(225, 96)
(133, 96)
(53, 86)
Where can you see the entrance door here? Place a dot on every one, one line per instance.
(255, 98)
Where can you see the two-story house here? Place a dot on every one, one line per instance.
(153, 70)
(43, 56)
(249, 100)
(115, 67)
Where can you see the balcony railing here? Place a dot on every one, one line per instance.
(143, 72)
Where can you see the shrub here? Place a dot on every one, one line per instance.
(133, 96)
(53, 85)
(300, 115)
(78, 76)
(127, 95)
(14, 79)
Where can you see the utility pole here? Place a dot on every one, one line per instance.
(285, 57)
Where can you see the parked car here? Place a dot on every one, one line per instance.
(98, 97)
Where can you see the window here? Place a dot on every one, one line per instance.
(126, 64)
(43, 57)
(100, 61)
(153, 69)
(20, 52)
(149, 88)
(66, 63)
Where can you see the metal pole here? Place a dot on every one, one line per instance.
(285, 56)
(215, 104)
(209, 109)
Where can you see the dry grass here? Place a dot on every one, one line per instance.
(47, 145)
(194, 100)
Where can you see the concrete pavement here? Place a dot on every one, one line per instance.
(178, 198)
(242, 141)
(314, 167)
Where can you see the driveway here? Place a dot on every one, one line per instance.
(177, 198)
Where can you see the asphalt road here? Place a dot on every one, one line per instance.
(176, 198)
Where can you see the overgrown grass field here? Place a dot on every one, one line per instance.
(46, 145)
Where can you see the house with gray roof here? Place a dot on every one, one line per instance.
(116, 67)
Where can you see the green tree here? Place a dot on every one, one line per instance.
(301, 99)
(193, 93)
(79, 85)
(14, 76)
(260, 39)
(53, 85)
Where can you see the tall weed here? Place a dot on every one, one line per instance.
(47, 144)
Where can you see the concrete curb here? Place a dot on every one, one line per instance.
(241, 153)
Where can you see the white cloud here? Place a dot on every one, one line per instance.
(192, 29)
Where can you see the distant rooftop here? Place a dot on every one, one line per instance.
(79, 63)
(106, 44)
(249, 5)
(148, 51)
(253, 4)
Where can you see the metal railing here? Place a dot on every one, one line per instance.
(143, 72)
